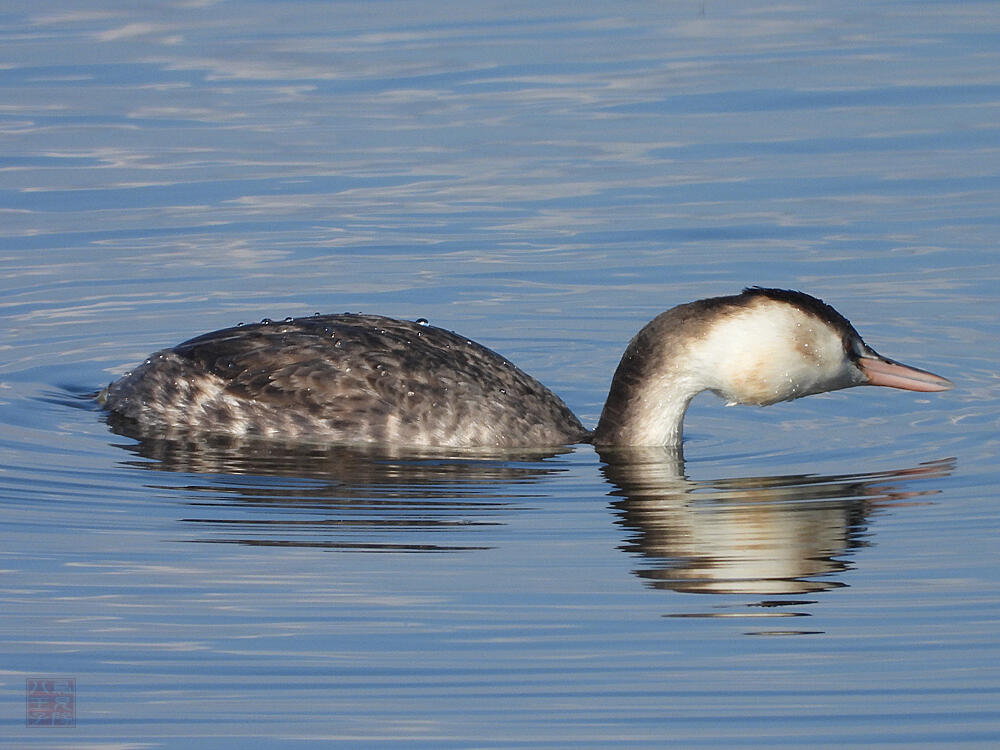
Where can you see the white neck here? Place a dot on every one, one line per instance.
(653, 416)
(651, 389)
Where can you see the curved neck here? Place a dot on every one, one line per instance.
(643, 413)
(653, 386)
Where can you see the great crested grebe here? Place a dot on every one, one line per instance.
(369, 379)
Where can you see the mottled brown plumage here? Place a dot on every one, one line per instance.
(343, 379)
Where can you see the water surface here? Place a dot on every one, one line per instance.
(544, 179)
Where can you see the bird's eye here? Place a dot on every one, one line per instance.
(855, 347)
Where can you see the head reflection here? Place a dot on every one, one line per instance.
(747, 535)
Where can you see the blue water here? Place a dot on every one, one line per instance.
(544, 179)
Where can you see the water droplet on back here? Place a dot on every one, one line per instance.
(423, 322)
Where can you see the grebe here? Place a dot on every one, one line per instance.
(370, 379)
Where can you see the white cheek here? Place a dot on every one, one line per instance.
(812, 372)
(740, 359)
(766, 356)
(823, 364)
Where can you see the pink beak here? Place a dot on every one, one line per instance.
(881, 371)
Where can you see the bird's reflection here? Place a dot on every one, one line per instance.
(269, 493)
(762, 535)
(767, 535)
